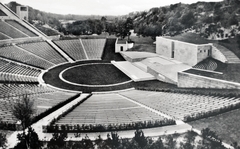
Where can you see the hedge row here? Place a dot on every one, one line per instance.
(107, 127)
(196, 116)
(194, 91)
(8, 126)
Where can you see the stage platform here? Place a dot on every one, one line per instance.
(164, 69)
(133, 56)
(133, 72)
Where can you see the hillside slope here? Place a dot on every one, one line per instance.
(177, 17)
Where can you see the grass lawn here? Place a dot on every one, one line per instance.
(142, 40)
(144, 48)
(95, 74)
(192, 38)
(226, 125)
(52, 77)
(143, 44)
(232, 44)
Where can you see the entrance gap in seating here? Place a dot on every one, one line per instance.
(121, 48)
(172, 56)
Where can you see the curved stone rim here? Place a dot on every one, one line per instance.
(81, 87)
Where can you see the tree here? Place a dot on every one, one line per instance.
(170, 143)
(29, 140)
(99, 142)
(188, 19)
(190, 137)
(238, 40)
(140, 138)
(121, 30)
(87, 143)
(157, 144)
(110, 28)
(57, 140)
(206, 132)
(233, 20)
(212, 137)
(3, 140)
(23, 110)
(113, 141)
(104, 21)
(235, 145)
(189, 140)
(129, 26)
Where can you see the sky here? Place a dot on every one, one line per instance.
(98, 7)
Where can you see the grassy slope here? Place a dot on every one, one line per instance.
(143, 44)
(192, 38)
(142, 40)
(230, 73)
(226, 125)
(232, 44)
(144, 48)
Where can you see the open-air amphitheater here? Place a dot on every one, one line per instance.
(104, 98)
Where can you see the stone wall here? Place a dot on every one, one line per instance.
(159, 76)
(126, 57)
(185, 52)
(163, 46)
(204, 51)
(187, 80)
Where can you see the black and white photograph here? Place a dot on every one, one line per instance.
(119, 74)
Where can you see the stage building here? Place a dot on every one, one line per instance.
(188, 53)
